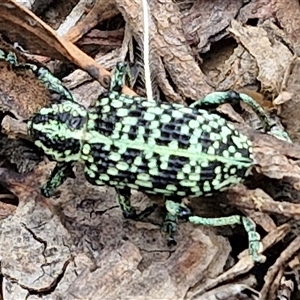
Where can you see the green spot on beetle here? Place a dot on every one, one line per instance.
(122, 112)
(121, 165)
(116, 103)
(112, 171)
(104, 177)
(149, 116)
(171, 187)
(86, 149)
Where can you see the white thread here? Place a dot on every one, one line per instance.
(146, 42)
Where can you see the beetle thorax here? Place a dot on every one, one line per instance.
(59, 129)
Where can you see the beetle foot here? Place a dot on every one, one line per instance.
(140, 216)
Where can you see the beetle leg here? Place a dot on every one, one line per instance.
(129, 212)
(58, 176)
(232, 97)
(170, 222)
(119, 76)
(177, 209)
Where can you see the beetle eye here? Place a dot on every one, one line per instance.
(75, 122)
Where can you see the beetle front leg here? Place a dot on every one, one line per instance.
(58, 176)
(10, 57)
(52, 83)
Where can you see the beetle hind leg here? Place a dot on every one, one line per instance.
(254, 245)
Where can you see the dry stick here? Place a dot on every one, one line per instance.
(272, 293)
(282, 260)
(8, 196)
(146, 46)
